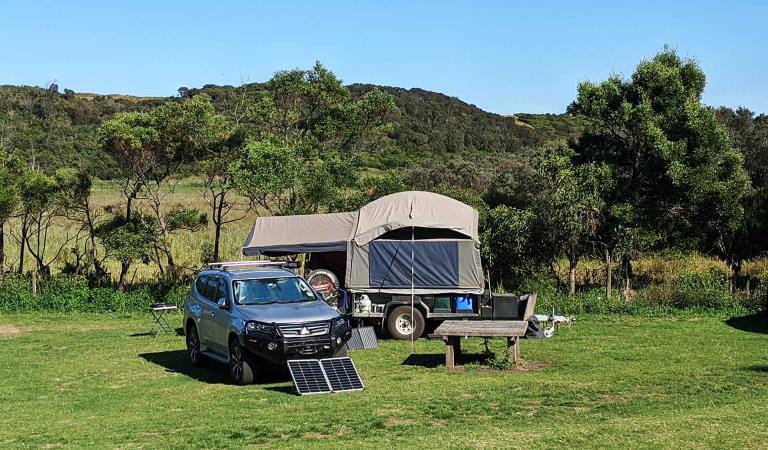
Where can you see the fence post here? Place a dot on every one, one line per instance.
(34, 283)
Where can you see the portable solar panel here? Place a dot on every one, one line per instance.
(342, 375)
(308, 377)
(362, 337)
(368, 336)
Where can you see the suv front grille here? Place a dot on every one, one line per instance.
(304, 329)
(300, 343)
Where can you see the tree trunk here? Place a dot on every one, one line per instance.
(608, 273)
(217, 217)
(735, 274)
(123, 272)
(128, 204)
(573, 260)
(626, 266)
(23, 244)
(2, 247)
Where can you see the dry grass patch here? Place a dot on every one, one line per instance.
(7, 330)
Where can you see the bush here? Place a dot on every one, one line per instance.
(690, 291)
(72, 294)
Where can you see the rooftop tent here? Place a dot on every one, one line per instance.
(415, 242)
(425, 210)
(300, 234)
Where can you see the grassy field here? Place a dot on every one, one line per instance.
(187, 246)
(97, 381)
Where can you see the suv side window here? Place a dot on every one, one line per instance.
(200, 284)
(221, 292)
(212, 288)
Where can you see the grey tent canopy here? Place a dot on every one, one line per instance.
(431, 236)
(300, 234)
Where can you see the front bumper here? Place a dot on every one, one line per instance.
(277, 349)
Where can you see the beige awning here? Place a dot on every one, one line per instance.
(300, 234)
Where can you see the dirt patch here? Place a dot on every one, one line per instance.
(535, 365)
(525, 366)
(394, 421)
(7, 330)
(607, 398)
(440, 423)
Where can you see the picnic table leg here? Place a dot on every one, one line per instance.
(513, 348)
(452, 349)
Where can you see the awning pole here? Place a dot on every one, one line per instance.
(413, 317)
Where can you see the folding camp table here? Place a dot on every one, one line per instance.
(158, 311)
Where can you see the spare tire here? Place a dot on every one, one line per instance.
(325, 282)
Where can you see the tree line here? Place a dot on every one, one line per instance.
(637, 165)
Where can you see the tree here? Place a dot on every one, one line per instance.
(671, 160)
(217, 168)
(750, 135)
(508, 246)
(41, 204)
(127, 241)
(10, 168)
(312, 111)
(570, 205)
(281, 181)
(149, 148)
(75, 197)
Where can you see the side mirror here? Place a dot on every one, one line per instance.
(222, 303)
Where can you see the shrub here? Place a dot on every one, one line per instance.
(72, 294)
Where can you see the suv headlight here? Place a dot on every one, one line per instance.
(259, 327)
(340, 324)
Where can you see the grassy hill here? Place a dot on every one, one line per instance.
(57, 129)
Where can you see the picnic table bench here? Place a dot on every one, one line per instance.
(451, 332)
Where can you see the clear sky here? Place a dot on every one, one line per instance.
(503, 56)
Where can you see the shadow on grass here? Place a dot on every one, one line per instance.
(754, 323)
(177, 361)
(154, 333)
(760, 369)
(433, 360)
(282, 389)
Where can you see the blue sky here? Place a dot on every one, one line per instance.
(505, 57)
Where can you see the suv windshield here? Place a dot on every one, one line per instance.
(272, 290)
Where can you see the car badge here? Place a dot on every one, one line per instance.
(304, 330)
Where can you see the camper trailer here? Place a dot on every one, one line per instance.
(398, 262)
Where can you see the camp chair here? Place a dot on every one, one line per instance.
(158, 311)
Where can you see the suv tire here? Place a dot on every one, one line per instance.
(399, 322)
(340, 352)
(241, 364)
(193, 346)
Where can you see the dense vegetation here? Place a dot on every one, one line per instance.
(631, 171)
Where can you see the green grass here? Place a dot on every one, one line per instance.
(87, 381)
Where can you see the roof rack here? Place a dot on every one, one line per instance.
(229, 265)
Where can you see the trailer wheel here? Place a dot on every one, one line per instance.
(400, 323)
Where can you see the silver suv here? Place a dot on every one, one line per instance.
(248, 314)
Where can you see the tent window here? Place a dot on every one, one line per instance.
(404, 234)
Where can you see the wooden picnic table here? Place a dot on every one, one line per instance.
(451, 332)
